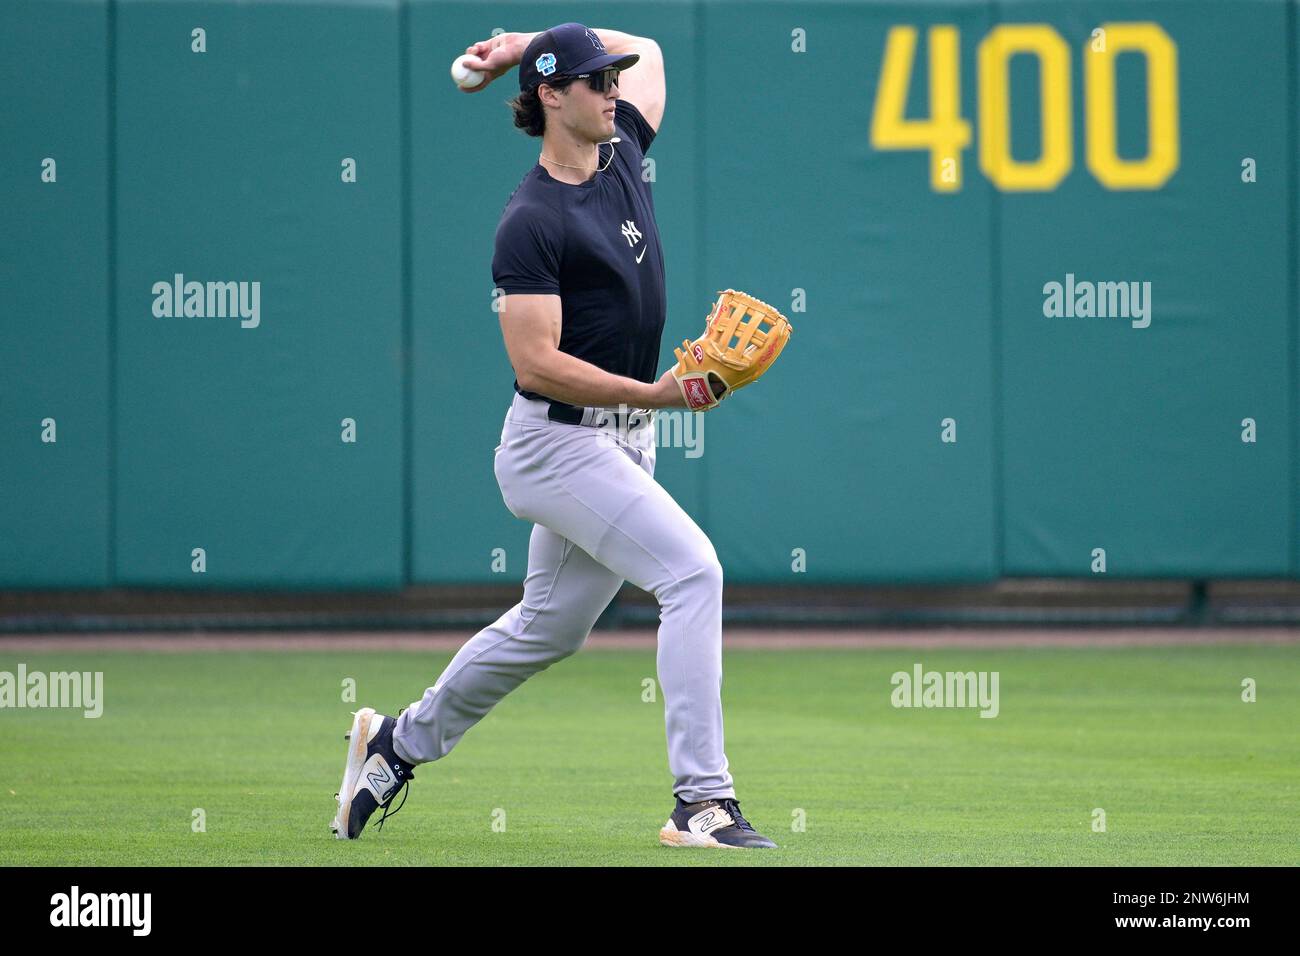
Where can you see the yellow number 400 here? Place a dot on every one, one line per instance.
(945, 134)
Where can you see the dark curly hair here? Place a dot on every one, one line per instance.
(529, 114)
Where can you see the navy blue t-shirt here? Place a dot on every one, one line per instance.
(596, 246)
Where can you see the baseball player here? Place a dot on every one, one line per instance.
(580, 270)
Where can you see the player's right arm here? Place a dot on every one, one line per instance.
(530, 325)
(496, 56)
(642, 85)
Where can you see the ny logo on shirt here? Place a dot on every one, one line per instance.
(633, 235)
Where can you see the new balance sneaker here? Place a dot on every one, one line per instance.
(711, 823)
(372, 775)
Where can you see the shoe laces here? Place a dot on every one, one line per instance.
(733, 809)
(408, 774)
(406, 788)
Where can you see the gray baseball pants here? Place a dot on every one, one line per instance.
(599, 518)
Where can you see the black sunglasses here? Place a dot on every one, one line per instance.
(602, 81)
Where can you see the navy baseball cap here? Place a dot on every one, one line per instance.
(567, 50)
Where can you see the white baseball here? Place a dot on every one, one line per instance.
(463, 76)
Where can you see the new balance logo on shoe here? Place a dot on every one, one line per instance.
(379, 777)
(710, 819)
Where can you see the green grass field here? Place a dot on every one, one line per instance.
(1157, 737)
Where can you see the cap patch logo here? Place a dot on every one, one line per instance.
(595, 40)
(546, 64)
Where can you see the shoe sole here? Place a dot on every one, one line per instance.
(358, 739)
(671, 836)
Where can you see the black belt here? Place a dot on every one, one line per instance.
(573, 415)
(561, 412)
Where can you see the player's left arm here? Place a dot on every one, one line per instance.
(641, 85)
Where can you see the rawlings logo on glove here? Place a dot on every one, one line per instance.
(742, 339)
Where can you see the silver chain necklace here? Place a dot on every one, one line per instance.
(584, 168)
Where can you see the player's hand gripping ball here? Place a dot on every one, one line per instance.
(743, 337)
(463, 76)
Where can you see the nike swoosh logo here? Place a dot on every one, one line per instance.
(638, 258)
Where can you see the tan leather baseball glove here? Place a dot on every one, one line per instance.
(743, 337)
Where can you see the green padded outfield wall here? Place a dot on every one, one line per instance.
(231, 169)
(1129, 438)
(836, 461)
(906, 180)
(54, 308)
